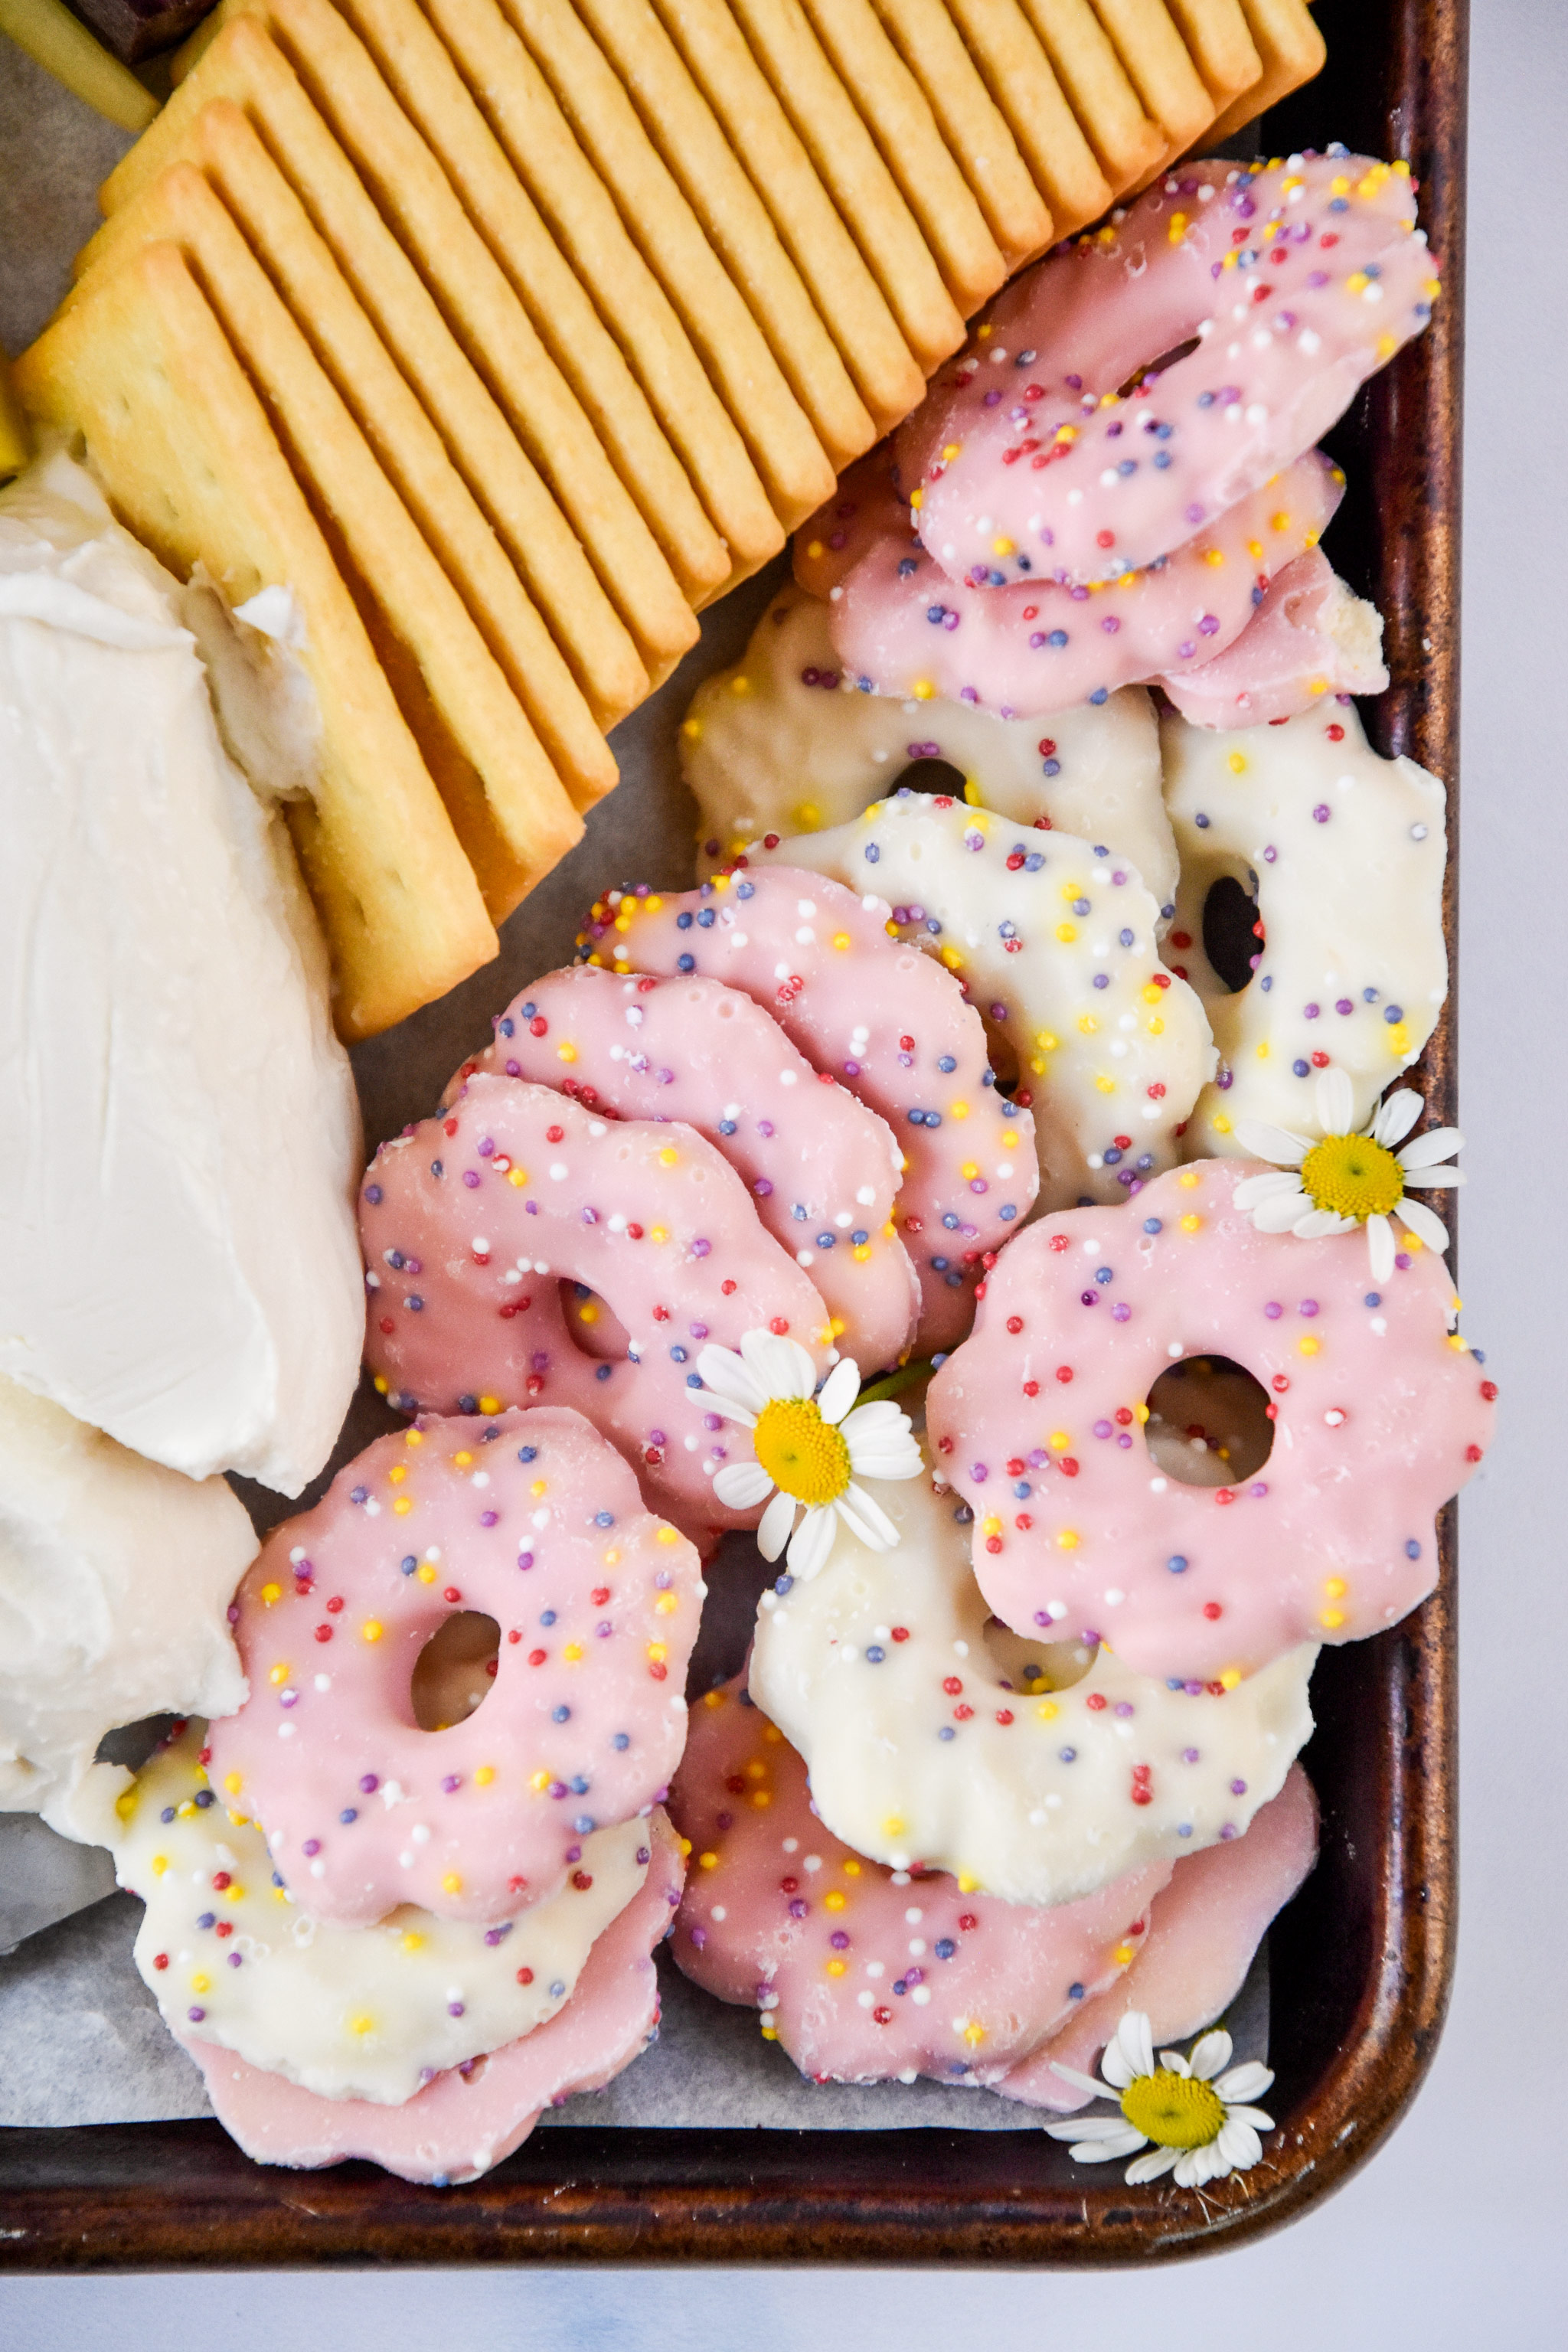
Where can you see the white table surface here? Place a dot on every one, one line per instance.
(1452, 2236)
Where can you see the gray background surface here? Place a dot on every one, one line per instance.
(1453, 2236)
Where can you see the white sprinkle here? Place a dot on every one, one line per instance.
(558, 1169)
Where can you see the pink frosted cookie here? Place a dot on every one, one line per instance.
(862, 1972)
(1203, 1929)
(472, 1221)
(1380, 1415)
(530, 1519)
(891, 1025)
(1309, 639)
(899, 624)
(1297, 281)
(868, 504)
(467, 2119)
(821, 1168)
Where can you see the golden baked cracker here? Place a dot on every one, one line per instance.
(434, 97)
(1128, 146)
(1292, 50)
(417, 201)
(1144, 36)
(894, 109)
(680, 122)
(224, 144)
(190, 463)
(507, 804)
(848, 299)
(1219, 46)
(856, 177)
(521, 108)
(977, 136)
(1017, 72)
(776, 429)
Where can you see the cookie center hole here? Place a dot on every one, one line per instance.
(453, 1672)
(1233, 934)
(929, 774)
(1208, 1422)
(1034, 1668)
(593, 1323)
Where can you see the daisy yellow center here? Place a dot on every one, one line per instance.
(1176, 2110)
(1353, 1176)
(800, 1451)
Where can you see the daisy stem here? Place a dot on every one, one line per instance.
(893, 1383)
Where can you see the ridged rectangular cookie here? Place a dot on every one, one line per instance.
(973, 125)
(1292, 50)
(1018, 74)
(192, 466)
(1128, 146)
(1145, 37)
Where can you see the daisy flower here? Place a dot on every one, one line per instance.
(1195, 2113)
(807, 1448)
(1339, 1179)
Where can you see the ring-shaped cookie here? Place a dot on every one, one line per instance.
(1380, 1414)
(863, 1972)
(1344, 852)
(347, 2012)
(889, 1024)
(1309, 640)
(469, 1223)
(932, 1736)
(469, 2118)
(786, 742)
(822, 1169)
(530, 1519)
(1055, 939)
(899, 624)
(1295, 281)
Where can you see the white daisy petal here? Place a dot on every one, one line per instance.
(1211, 2055)
(741, 1486)
(839, 1389)
(1144, 2168)
(1319, 1224)
(1247, 2081)
(1136, 2042)
(1238, 2144)
(722, 1370)
(1104, 2151)
(1425, 1178)
(891, 1456)
(1081, 2082)
(1093, 2128)
(1423, 1225)
(880, 1414)
(1437, 1143)
(1281, 1213)
(1174, 2063)
(777, 1525)
(811, 1545)
(1268, 1142)
(1254, 2116)
(866, 1518)
(1396, 1117)
(782, 1366)
(1253, 1188)
(1335, 1102)
(1379, 1247)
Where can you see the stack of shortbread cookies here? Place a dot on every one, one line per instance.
(506, 334)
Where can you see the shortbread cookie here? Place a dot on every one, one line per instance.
(1291, 50)
(1220, 48)
(972, 123)
(1126, 145)
(1007, 50)
(194, 467)
(1159, 68)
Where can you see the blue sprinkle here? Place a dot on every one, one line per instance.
(683, 922)
(1411, 1551)
(746, 890)
(622, 1740)
(604, 1519)
(1178, 1567)
(527, 1452)
(686, 962)
(872, 853)
(874, 1656)
(947, 1732)
(1074, 1992)
(409, 1564)
(349, 1814)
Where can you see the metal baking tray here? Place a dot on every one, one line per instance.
(1361, 1962)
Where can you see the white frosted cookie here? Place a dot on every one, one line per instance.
(1054, 940)
(347, 2012)
(1344, 852)
(935, 1736)
(786, 742)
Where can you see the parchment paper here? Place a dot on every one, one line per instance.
(80, 2037)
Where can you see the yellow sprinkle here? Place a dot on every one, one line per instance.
(540, 1487)
(1190, 1224)
(427, 1574)
(1061, 1441)
(1254, 549)
(380, 1384)
(452, 1884)
(269, 1593)
(1187, 1180)
(485, 1775)
(1398, 1039)
(851, 1868)
(573, 1652)
(1152, 995)
(1310, 1346)
(1332, 1618)
(834, 1900)
(772, 1735)
(692, 728)
(398, 1472)
(657, 1653)
(1067, 1540)
(950, 956)
(1335, 1586)
(1047, 1710)
(1263, 1051)
(403, 1505)
(1154, 1025)
(1067, 932)
(200, 1983)
(973, 2035)
(1357, 282)
(707, 1862)
(892, 1826)
(234, 1894)
(1230, 1677)
(740, 684)
(412, 1940)
(923, 689)
(981, 334)
(278, 1674)
(667, 1603)
(1107, 1085)
(714, 1698)
(917, 500)
(668, 1535)
(1317, 686)
(1088, 1024)
(612, 1558)
(951, 452)
(761, 1797)
(659, 1233)
(808, 816)
(668, 1157)
(1238, 763)
(1222, 1125)
(126, 1805)
(361, 2025)
(538, 1782)
(841, 940)
(1123, 1955)
(517, 1176)
(159, 1865)
(1178, 228)
(233, 1783)
(860, 1251)
(836, 1968)
(1213, 557)
(1143, 1412)
(991, 1526)
(588, 1314)
(966, 1885)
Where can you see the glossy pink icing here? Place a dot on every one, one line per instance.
(1381, 1416)
(1288, 657)
(882, 1018)
(822, 1169)
(464, 2122)
(1299, 281)
(867, 506)
(1203, 1929)
(481, 1213)
(532, 1519)
(862, 1972)
(898, 622)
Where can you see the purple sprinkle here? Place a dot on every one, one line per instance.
(471, 1178)
(1321, 814)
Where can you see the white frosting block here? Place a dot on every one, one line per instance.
(786, 742)
(346, 2013)
(179, 1133)
(1055, 941)
(115, 1580)
(1344, 852)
